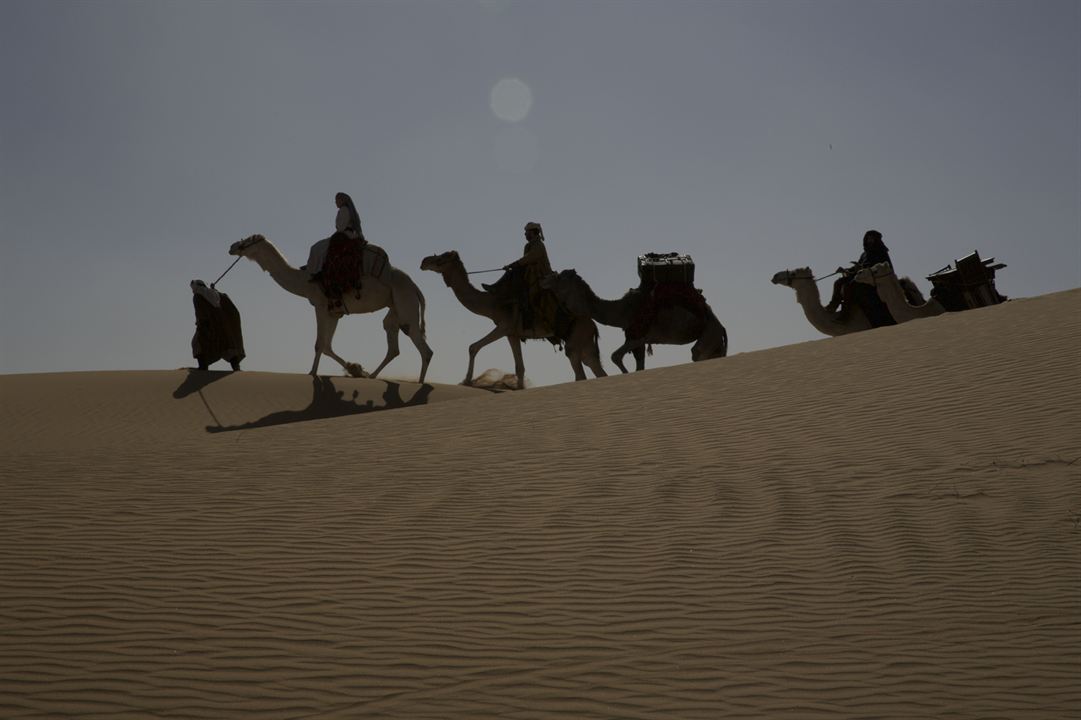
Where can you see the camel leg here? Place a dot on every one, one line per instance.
(519, 363)
(591, 354)
(617, 359)
(326, 325)
(421, 343)
(592, 360)
(583, 350)
(628, 346)
(410, 310)
(496, 333)
(390, 326)
(639, 359)
(576, 364)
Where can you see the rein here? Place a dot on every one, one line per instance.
(477, 272)
(231, 266)
(226, 270)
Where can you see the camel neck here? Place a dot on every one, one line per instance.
(823, 320)
(615, 313)
(474, 300)
(889, 288)
(288, 277)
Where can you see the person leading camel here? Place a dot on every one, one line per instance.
(218, 335)
(845, 291)
(521, 283)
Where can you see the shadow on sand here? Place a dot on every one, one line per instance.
(329, 402)
(197, 380)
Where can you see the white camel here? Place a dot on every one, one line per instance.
(826, 322)
(394, 290)
(901, 296)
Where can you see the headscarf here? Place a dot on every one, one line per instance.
(535, 226)
(211, 295)
(354, 216)
(874, 250)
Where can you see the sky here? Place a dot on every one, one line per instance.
(138, 140)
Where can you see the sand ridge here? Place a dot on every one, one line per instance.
(878, 525)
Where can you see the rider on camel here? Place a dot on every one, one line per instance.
(520, 284)
(347, 240)
(846, 291)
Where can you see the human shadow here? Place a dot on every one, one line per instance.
(329, 402)
(197, 380)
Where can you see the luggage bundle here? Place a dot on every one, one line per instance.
(666, 268)
(971, 284)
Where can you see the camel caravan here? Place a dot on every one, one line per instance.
(869, 295)
(346, 275)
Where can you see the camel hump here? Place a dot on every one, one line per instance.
(911, 292)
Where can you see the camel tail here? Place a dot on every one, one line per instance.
(423, 305)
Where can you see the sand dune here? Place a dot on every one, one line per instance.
(884, 525)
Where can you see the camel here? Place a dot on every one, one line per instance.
(395, 290)
(902, 297)
(580, 345)
(672, 325)
(828, 323)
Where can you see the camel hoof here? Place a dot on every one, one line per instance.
(355, 370)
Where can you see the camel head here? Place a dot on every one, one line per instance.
(569, 288)
(240, 247)
(787, 277)
(442, 262)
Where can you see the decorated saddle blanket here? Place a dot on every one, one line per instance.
(348, 261)
(665, 295)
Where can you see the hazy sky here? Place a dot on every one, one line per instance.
(138, 140)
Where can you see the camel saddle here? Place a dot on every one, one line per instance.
(347, 260)
(511, 291)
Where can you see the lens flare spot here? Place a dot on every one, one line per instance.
(511, 100)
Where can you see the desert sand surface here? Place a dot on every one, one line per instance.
(881, 525)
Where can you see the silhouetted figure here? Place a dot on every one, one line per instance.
(217, 328)
(520, 283)
(336, 261)
(846, 292)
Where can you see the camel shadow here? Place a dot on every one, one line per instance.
(329, 402)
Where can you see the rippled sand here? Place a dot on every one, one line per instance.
(881, 525)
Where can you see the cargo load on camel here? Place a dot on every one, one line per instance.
(666, 280)
(970, 284)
